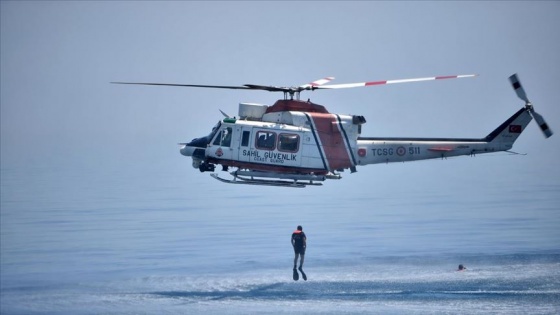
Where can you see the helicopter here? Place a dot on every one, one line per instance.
(295, 143)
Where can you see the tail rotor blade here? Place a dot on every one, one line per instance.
(518, 87)
(542, 124)
(520, 91)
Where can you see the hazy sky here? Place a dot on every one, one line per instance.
(57, 59)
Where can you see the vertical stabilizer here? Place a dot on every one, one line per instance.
(506, 134)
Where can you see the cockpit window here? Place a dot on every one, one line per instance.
(266, 140)
(224, 137)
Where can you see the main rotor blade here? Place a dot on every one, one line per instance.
(234, 87)
(267, 88)
(518, 87)
(317, 82)
(360, 84)
(542, 124)
(189, 85)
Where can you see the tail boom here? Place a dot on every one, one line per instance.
(387, 150)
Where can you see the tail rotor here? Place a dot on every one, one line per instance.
(522, 95)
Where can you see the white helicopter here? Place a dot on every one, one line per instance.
(296, 143)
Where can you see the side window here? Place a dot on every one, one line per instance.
(223, 138)
(266, 140)
(288, 142)
(245, 139)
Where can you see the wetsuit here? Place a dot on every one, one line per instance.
(298, 241)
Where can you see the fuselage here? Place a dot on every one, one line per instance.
(297, 137)
(290, 137)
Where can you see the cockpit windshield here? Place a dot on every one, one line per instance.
(204, 141)
(214, 131)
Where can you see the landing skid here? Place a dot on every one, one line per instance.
(264, 182)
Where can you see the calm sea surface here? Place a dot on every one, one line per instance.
(161, 238)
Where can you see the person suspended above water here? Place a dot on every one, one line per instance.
(299, 242)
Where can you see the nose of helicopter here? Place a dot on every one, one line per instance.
(190, 149)
(187, 150)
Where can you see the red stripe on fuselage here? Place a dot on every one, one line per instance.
(332, 141)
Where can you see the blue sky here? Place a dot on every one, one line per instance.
(57, 59)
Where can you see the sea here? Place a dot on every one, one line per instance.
(155, 236)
